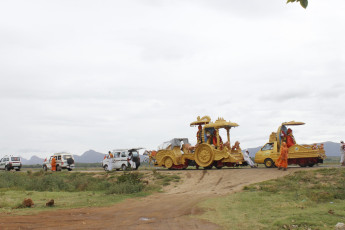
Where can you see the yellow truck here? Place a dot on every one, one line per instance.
(208, 152)
(302, 155)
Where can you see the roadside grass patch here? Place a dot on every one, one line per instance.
(165, 179)
(71, 190)
(303, 200)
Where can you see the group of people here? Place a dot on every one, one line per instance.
(288, 138)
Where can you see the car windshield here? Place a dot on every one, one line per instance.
(15, 158)
(65, 157)
(268, 146)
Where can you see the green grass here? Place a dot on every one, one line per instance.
(11, 200)
(75, 190)
(303, 200)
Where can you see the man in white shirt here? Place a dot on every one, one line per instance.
(247, 159)
(342, 153)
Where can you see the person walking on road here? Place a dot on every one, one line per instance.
(342, 153)
(282, 161)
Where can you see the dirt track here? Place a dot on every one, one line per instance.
(168, 210)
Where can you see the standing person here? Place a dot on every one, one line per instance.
(53, 164)
(247, 159)
(342, 153)
(111, 155)
(282, 161)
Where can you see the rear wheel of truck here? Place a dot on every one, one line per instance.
(123, 167)
(269, 163)
(105, 167)
(58, 168)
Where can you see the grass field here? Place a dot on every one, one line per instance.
(305, 200)
(75, 190)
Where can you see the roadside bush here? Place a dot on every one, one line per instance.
(127, 183)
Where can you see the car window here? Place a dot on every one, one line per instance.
(59, 158)
(15, 158)
(123, 154)
(65, 157)
(268, 146)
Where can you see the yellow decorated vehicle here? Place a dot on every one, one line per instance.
(208, 152)
(302, 155)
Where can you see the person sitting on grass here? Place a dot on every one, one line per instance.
(282, 161)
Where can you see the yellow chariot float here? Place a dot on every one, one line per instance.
(208, 152)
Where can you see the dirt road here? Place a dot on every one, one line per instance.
(168, 210)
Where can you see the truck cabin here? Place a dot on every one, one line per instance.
(267, 146)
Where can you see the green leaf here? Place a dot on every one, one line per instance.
(304, 3)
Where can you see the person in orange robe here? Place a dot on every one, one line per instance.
(214, 140)
(282, 161)
(53, 163)
(290, 140)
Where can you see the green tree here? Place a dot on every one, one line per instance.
(304, 3)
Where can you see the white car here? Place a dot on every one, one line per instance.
(123, 159)
(10, 162)
(63, 161)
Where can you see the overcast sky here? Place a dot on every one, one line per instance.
(80, 75)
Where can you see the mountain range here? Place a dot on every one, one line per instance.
(91, 156)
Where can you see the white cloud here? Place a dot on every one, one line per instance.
(84, 74)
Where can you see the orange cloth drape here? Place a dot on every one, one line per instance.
(282, 161)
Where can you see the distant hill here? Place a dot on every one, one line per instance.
(90, 156)
(32, 161)
(332, 148)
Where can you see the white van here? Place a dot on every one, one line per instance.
(63, 161)
(10, 162)
(123, 159)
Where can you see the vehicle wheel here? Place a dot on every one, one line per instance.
(208, 167)
(168, 162)
(219, 167)
(45, 168)
(204, 155)
(269, 163)
(117, 169)
(302, 165)
(58, 168)
(123, 167)
(106, 168)
(69, 169)
(17, 170)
